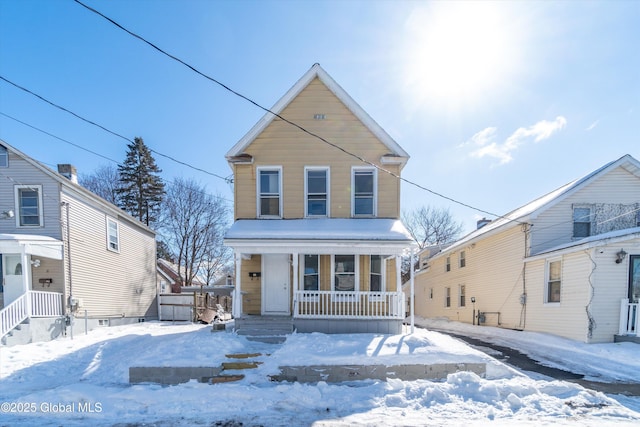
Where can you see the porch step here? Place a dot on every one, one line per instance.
(19, 335)
(267, 329)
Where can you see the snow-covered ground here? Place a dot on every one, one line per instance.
(84, 381)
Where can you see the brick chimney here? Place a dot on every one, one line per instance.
(69, 172)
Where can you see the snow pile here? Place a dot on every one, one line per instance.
(84, 381)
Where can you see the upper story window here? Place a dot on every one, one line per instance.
(447, 264)
(581, 222)
(364, 192)
(463, 259)
(29, 203)
(113, 235)
(270, 192)
(316, 186)
(554, 281)
(4, 157)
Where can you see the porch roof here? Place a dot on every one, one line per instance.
(381, 235)
(43, 246)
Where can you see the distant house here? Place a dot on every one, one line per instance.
(317, 236)
(67, 254)
(171, 277)
(568, 263)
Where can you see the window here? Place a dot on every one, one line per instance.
(447, 266)
(311, 272)
(269, 192)
(364, 190)
(4, 157)
(447, 297)
(462, 301)
(344, 273)
(430, 293)
(375, 274)
(554, 275)
(29, 202)
(581, 222)
(463, 259)
(317, 191)
(113, 235)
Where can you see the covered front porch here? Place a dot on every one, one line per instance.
(32, 279)
(328, 275)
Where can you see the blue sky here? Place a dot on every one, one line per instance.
(496, 102)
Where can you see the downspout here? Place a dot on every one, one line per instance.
(523, 297)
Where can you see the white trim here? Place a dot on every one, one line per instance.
(374, 171)
(35, 187)
(263, 286)
(356, 273)
(108, 221)
(260, 169)
(547, 266)
(327, 169)
(460, 286)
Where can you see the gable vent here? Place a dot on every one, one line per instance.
(319, 116)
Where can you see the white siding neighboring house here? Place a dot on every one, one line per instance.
(68, 257)
(567, 263)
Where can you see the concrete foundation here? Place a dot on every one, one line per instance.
(349, 326)
(168, 375)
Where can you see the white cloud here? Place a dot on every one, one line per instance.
(592, 125)
(485, 139)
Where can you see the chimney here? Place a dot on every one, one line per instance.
(69, 172)
(482, 222)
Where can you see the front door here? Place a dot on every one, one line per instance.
(634, 278)
(275, 284)
(13, 284)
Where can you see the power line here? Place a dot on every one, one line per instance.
(172, 182)
(110, 131)
(246, 98)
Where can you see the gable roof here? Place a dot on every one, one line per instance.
(316, 71)
(534, 208)
(65, 182)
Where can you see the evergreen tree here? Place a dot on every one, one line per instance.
(141, 189)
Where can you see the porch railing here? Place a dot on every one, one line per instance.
(629, 317)
(31, 304)
(348, 305)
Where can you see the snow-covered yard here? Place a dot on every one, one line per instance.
(85, 381)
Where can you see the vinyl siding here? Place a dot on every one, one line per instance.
(21, 172)
(493, 274)
(252, 298)
(554, 226)
(110, 284)
(281, 144)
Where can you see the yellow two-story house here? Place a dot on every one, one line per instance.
(317, 237)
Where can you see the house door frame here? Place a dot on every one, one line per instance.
(276, 285)
(634, 278)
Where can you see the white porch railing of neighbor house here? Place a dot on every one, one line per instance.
(348, 305)
(31, 304)
(629, 317)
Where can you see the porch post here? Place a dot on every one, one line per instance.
(400, 302)
(237, 294)
(623, 329)
(26, 278)
(296, 282)
(412, 302)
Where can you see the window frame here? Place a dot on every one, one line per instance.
(548, 282)
(304, 272)
(356, 273)
(108, 222)
(325, 169)
(462, 259)
(18, 203)
(447, 297)
(576, 223)
(382, 274)
(259, 171)
(4, 157)
(462, 295)
(374, 197)
(447, 264)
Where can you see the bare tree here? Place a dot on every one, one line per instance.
(103, 182)
(431, 226)
(194, 223)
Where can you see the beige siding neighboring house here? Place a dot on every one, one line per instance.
(567, 263)
(84, 257)
(317, 236)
